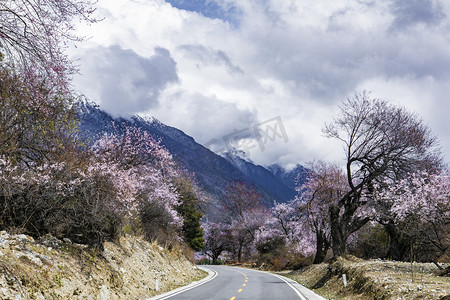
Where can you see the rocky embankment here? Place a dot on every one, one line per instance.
(53, 269)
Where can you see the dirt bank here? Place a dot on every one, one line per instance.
(54, 269)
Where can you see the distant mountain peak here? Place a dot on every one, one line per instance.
(86, 106)
(275, 168)
(212, 172)
(85, 103)
(147, 119)
(234, 153)
(291, 177)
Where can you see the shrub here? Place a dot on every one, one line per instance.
(60, 200)
(158, 224)
(371, 241)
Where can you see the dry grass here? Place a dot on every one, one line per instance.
(127, 269)
(373, 279)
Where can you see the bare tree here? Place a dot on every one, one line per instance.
(217, 240)
(33, 35)
(323, 188)
(37, 112)
(380, 141)
(240, 205)
(239, 198)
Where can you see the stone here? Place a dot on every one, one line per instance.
(104, 293)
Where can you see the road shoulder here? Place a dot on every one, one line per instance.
(303, 292)
(211, 275)
(306, 294)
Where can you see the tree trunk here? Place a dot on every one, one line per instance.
(398, 245)
(215, 255)
(240, 252)
(337, 237)
(322, 246)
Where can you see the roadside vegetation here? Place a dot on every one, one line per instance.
(373, 279)
(108, 218)
(53, 182)
(390, 201)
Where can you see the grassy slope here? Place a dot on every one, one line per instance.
(373, 279)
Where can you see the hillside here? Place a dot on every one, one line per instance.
(257, 175)
(211, 171)
(55, 269)
(289, 178)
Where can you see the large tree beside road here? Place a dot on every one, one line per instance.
(380, 141)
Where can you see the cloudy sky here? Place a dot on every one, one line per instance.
(265, 75)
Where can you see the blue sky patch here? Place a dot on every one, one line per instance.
(211, 9)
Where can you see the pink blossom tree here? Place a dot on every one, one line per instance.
(380, 141)
(290, 222)
(217, 239)
(245, 231)
(418, 209)
(37, 116)
(241, 204)
(147, 170)
(286, 221)
(76, 198)
(323, 189)
(276, 236)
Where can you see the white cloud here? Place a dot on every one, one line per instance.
(123, 82)
(426, 96)
(206, 118)
(294, 59)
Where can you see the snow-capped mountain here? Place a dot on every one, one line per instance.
(211, 171)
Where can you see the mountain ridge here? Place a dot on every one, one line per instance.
(212, 171)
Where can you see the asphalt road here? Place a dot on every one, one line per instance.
(232, 283)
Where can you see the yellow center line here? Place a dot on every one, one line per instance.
(240, 290)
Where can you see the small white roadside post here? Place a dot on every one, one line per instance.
(344, 277)
(157, 285)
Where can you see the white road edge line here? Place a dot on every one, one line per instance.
(292, 287)
(305, 294)
(211, 275)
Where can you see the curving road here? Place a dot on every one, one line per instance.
(233, 283)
